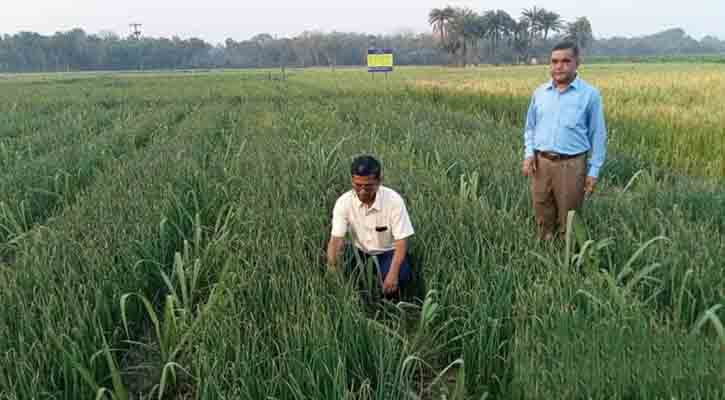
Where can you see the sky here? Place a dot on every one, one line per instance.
(216, 20)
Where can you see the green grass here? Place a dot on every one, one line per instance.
(179, 254)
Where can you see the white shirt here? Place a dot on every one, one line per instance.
(375, 228)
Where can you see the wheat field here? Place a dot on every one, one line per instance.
(162, 234)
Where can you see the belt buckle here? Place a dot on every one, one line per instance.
(551, 155)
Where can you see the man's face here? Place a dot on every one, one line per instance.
(365, 187)
(563, 66)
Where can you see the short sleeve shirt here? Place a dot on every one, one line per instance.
(374, 228)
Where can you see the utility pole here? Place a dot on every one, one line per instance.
(135, 32)
(136, 35)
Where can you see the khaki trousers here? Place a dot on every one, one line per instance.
(557, 187)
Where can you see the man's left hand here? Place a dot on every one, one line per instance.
(589, 185)
(390, 285)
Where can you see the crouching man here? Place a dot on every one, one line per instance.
(379, 224)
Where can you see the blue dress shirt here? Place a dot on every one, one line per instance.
(568, 122)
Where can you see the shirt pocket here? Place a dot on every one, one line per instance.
(572, 114)
(384, 235)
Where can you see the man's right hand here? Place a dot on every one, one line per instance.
(528, 168)
(334, 249)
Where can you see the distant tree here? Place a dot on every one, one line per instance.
(109, 35)
(534, 17)
(440, 19)
(4, 54)
(494, 34)
(522, 40)
(712, 44)
(315, 42)
(443, 23)
(462, 31)
(262, 38)
(551, 22)
(332, 45)
(287, 54)
(580, 32)
(497, 26)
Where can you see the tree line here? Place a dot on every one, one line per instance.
(495, 36)
(459, 36)
(76, 50)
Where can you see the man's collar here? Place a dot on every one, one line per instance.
(575, 84)
(377, 204)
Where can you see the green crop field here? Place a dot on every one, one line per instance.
(162, 236)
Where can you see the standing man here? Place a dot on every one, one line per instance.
(565, 122)
(378, 221)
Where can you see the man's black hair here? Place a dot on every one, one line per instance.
(567, 45)
(365, 166)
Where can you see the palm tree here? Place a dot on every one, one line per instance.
(550, 21)
(440, 19)
(580, 32)
(480, 32)
(463, 29)
(533, 17)
(453, 44)
(522, 39)
(498, 26)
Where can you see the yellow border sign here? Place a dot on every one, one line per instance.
(380, 60)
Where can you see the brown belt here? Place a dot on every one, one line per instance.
(551, 156)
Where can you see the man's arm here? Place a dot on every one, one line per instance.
(529, 129)
(529, 165)
(597, 136)
(334, 248)
(337, 234)
(402, 229)
(391, 280)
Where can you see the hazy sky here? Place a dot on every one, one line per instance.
(216, 20)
